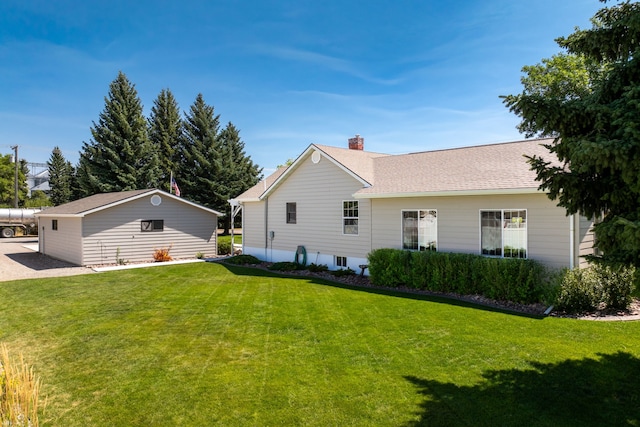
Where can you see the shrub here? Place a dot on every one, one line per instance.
(518, 280)
(162, 254)
(317, 268)
(617, 284)
(224, 247)
(343, 272)
(586, 289)
(19, 392)
(243, 260)
(200, 255)
(285, 266)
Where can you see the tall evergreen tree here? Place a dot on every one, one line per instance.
(119, 156)
(165, 131)
(60, 178)
(589, 100)
(238, 172)
(200, 157)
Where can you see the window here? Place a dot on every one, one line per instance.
(341, 261)
(503, 233)
(291, 213)
(152, 225)
(54, 224)
(420, 230)
(350, 217)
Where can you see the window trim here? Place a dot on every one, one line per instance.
(54, 224)
(351, 218)
(502, 227)
(341, 261)
(418, 210)
(291, 219)
(151, 225)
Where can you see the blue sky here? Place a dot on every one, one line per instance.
(406, 75)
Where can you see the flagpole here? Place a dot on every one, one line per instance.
(171, 183)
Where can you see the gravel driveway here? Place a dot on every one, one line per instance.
(19, 259)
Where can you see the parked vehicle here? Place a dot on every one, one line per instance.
(13, 219)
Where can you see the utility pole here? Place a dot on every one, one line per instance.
(15, 194)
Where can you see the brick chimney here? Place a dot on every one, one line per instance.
(356, 143)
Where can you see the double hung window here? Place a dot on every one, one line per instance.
(350, 217)
(291, 213)
(503, 233)
(420, 230)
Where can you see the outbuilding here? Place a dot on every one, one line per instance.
(127, 226)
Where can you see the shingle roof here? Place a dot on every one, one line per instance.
(479, 168)
(493, 167)
(105, 200)
(360, 162)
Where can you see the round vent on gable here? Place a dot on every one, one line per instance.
(315, 157)
(156, 200)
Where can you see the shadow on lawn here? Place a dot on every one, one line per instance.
(583, 392)
(254, 271)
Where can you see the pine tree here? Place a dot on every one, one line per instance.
(239, 173)
(200, 157)
(60, 178)
(588, 99)
(119, 156)
(165, 132)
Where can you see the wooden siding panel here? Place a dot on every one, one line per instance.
(459, 223)
(318, 189)
(116, 232)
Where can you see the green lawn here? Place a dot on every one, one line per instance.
(204, 344)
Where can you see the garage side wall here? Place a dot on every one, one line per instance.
(65, 242)
(116, 233)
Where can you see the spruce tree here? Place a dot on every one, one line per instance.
(60, 177)
(239, 173)
(200, 158)
(588, 99)
(119, 156)
(165, 131)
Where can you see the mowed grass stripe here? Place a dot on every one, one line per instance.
(205, 344)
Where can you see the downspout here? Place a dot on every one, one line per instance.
(266, 227)
(572, 241)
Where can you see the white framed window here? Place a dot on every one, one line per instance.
(291, 213)
(149, 225)
(420, 229)
(54, 224)
(341, 261)
(350, 217)
(503, 233)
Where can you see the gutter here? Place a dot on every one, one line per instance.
(448, 193)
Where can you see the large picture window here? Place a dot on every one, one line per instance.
(503, 233)
(420, 230)
(350, 217)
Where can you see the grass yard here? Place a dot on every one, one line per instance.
(205, 344)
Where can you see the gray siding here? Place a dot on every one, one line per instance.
(253, 234)
(459, 224)
(116, 231)
(318, 189)
(586, 240)
(65, 243)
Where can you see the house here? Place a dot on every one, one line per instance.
(126, 226)
(339, 204)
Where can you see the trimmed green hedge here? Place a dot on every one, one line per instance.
(505, 279)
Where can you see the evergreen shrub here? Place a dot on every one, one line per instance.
(243, 260)
(518, 280)
(583, 290)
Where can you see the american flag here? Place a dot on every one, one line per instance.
(174, 186)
